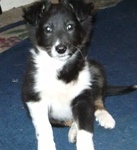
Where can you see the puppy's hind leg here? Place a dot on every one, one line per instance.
(102, 115)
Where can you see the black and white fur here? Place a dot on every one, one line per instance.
(61, 84)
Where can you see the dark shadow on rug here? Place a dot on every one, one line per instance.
(114, 44)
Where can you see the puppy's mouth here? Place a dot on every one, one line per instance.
(62, 57)
(61, 52)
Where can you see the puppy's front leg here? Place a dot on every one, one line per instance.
(84, 118)
(43, 129)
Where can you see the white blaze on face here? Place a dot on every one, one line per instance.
(54, 53)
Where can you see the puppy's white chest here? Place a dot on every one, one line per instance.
(58, 94)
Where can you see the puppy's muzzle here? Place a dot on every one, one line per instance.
(61, 49)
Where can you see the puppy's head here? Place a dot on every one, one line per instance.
(61, 29)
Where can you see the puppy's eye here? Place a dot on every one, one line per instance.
(70, 27)
(48, 29)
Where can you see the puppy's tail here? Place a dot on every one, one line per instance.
(119, 90)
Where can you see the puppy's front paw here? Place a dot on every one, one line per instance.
(84, 140)
(45, 144)
(72, 133)
(105, 119)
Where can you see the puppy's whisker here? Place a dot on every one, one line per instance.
(79, 51)
(48, 49)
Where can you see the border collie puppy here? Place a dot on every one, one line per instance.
(61, 84)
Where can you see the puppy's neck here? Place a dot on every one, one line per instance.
(72, 68)
(67, 70)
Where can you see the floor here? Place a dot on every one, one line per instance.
(15, 14)
(10, 16)
(11, 36)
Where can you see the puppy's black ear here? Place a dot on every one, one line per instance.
(82, 9)
(33, 13)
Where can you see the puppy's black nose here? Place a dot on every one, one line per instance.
(61, 48)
